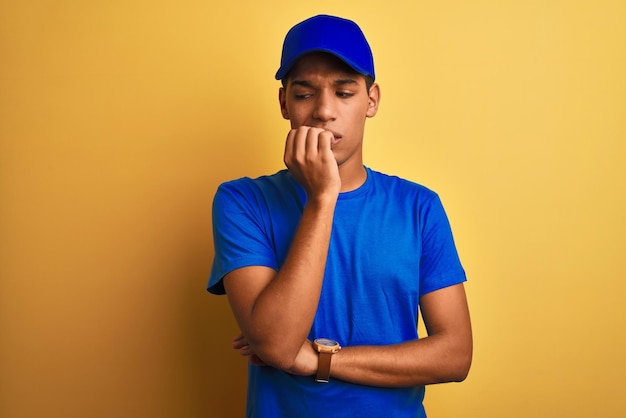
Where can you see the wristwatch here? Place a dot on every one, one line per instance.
(326, 348)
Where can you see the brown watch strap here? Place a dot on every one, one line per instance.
(323, 367)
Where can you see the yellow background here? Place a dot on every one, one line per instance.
(118, 119)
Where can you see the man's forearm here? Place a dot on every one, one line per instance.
(284, 310)
(435, 359)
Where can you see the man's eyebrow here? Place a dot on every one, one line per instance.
(344, 81)
(340, 82)
(303, 83)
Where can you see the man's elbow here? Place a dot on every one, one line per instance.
(461, 366)
(454, 367)
(463, 370)
(275, 356)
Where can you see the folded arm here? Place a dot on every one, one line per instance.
(443, 356)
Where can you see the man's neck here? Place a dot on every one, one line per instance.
(352, 176)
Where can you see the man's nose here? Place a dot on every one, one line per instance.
(324, 108)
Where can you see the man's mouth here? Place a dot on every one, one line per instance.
(336, 137)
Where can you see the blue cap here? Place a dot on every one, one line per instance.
(334, 35)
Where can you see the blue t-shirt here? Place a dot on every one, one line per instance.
(390, 243)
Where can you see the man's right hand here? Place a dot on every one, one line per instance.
(310, 159)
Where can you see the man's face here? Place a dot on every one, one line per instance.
(323, 92)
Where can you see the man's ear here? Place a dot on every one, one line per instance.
(374, 100)
(282, 99)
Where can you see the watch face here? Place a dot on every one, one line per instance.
(326, 342)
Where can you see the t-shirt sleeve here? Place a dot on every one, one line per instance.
(440, 265)
(239, 233)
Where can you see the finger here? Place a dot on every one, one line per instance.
(325, 141)
(312, 141)
(300, 143)
(289, 147)
(295, 146)
(239, 341)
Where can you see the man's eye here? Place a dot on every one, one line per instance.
(344, 94)
(302, 96)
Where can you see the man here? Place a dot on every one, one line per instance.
(325, 263)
